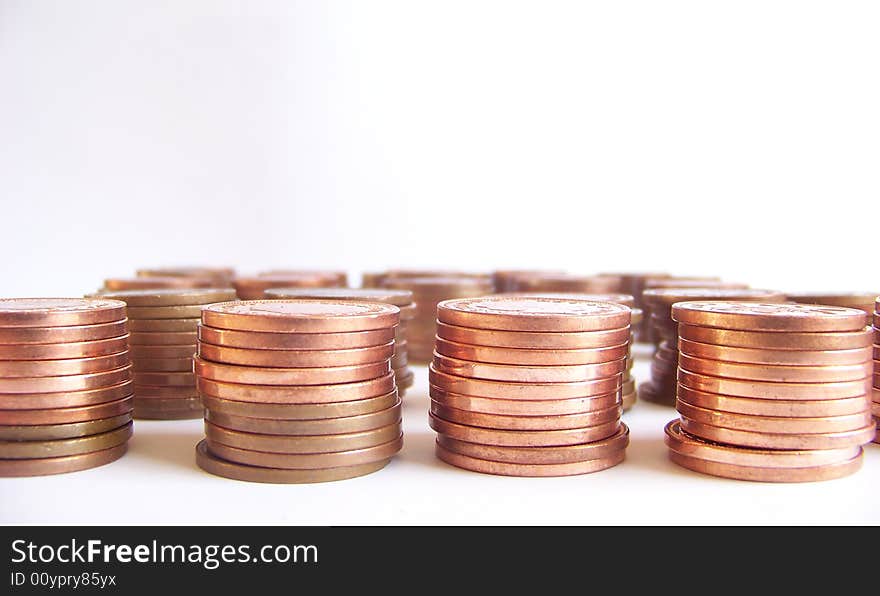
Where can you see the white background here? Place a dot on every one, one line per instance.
(731, 138)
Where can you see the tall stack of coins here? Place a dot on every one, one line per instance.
(254, 288)
(427, 293)
(860, 300)
(65, 385)
(664, 364)
(529, 386)
(221, 276)
(771, 392)
(402, 299)
(163, 341)
(297, 390)
(567, 283)
(875, 391)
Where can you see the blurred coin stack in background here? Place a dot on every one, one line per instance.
(664, 364)
(65, 385)
(505, 280)
(119, 284)
(402, 299)
(678, 282)
(634, 284)
(860, 300)
(254, 287)
(875, 391)
(529, 386)
(297, 390)
(771, 392)
(163, 327)
(568, 283)
(221, 277)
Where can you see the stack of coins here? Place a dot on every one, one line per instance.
(65, 385)
(297, 390)
(567, 283)
(221, 276)
(664, 364)
(402, 299)
(427, 293)
(771, 392)
(336, 278)
(676, 283)
(529, 386)
(254, 288)
(860, 300)
(119, 284)
(506, 280)
(163, 341)
(633, 284)
(875, 391)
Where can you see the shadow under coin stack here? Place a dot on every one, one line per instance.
(65, 385)
(403, 375)
(664, 364)
(163, 339)
(529, 386)
(771, 392)
(287, 398)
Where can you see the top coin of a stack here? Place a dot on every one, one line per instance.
(624, 299)
(148, 283)
(386, 296)
(757, 316)
(59, 312)
(533, 314)
(861, 300)
(254, 288)
(171, 296)
(300, 316)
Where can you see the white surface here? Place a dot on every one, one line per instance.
(157, 482)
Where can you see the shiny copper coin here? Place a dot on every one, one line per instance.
(164, 325)
(765, 440)
(296, 358)
(160, 379)
(289, 376)
(529, 340)
(163, 351)
(847, 340)
(528, 470)
(63, 447)
(775, 357)
(540, 455)
(536, 423)
(767, 372)
(169, 391)
(525, 391)
(51, 335)
(775, 424)
(139, 340)
(861, 300)
(520, 407)
(770, 390)
(65, 383)
(527, 374)
(156, 282)
(764, 474)
(525, 438)
(295, 341)
(171, 297)
(161, 313)
(10, 468)
(300, 412)
(61, 351)
(533, 314)
(754, 316)
(520, 356)
(66, 415)
(254, 288)
(302, 394)
(301, 316)
(69, 366)
(32, 433)
(67, 399)
(59, 312)
(387, 296)
(331, 426)
(303, 444)
(796, 408)
(225, 273)
(162, 364)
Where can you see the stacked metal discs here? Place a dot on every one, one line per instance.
(566, 282)
(65, 385)
(297, 390)
(633, 284)
(118, 284)
(506, 280)
(860, 300)
(220, 277)
(529, 386)
(402, 299)
(254, 287)
(163, 340)
(664, 364)
(771, 392)
(875, 391)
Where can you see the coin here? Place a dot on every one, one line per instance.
(164, 391)
(568, 283)
(520, 407)
(65, 383)
(301, 316)
(161, 379)
(33, 433)
(289, 376)
(529, 340)
(65, 415)
(794, 408)
(649, 392)
(385, 295)
(172, 408)
(507, 280)
(756, 316)
(254, 288)
(681, 283)
(764, 474)
(295, 341)
(61, 351)
(300, 412)
(67, 399)
(861, 300)
(527, 423)
(771, 390)
(296, 358)
(303, 444)
(224, 273)
(10, 468)
(59, 312)
(156, 282)
(775, 424)
(533, 314)
(534, 470)
(141, 341)
(765, 440)
(847, 340)
(63, 447)
(162, 364)
(171, 297)
(163, 351)
(522, 356)
(525, 438)
(526, 391)
(528, 374)
(775, 357)
(332, 426)
(629, 400)
(339, 278)
(68, 366)
(164, 325)
(191, 311)
(302, 394)
(52, 335)
(765, 372)
(624, 299)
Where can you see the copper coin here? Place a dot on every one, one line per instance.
(771, 390)
(650, 392)
(33, 433)
(300, 412)
(399, 360)
(159, 339)
(767, 372)
(624, 299)
(296, 358)
(254, 288)
(529, 340)
(156, 282)
(171, 297)
(384, 295)
(332, 278)
(226, 273)
(775, 357)
(533, 314)
(10, 468)
(59, 312)
(520, 356)
(847, 340)
(775, 424)
(568, 283)
(527, 374)
(525, 438)
(53, 335)
(486, 466)
(301, 316)
(765, 440)
(796, 408)
(295, 341)
(507, 280)
(68, 366)
(61, 351)
(67, 399)
(66, 415)
(525, 391)
(332, 426)
(404, 380)
(667, 296)
(540, 455)
(756, 316)
(164, 325)
(162, 364)
(65, 383)
(171, 408)
(520, 407)
(861, 300)
(535, 423)
(252, 473)
(159, 391)
(161, 379)
(63, 447)
(289, 376)
(302, 394)
(165, 312)
(302, 444)
(163, 351)
(764, 474)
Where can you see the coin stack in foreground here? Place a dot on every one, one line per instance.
(65, 385)
(162, 341)
(529, 386)
(771, 392)
(403, 375)
(297, 390)
(664, 364)
(875, 391)
(254, 287)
